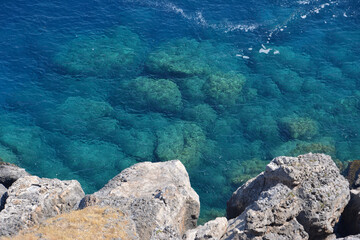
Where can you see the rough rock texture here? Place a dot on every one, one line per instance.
(353, 237)
(89, 223)
(357, 181)
(157, 196)
(3, 196)
(244, 196)
(9, 173)
(272, 216)
(213, 230)
(32, 199)
(319, 192)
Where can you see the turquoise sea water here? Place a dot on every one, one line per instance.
(89, 88)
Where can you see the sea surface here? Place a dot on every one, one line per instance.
(88, 88)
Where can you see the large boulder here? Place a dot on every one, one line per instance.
(9, 173)
(271, 216)
(318, 193)
(32, 199)
(157, 196)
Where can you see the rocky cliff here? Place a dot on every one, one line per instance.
(300, 197)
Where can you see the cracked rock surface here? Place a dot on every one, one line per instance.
(211, 230)
(295, 198)
(9, 173)
(157, 196)
(31, 199)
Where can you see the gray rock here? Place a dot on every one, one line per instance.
(272, 216)
(357, 181)
(165, 233)
(31, 200)
(3, 196)
(9, 173)
(352, 237)
(313, 179)
(157, 196)
(245, 195)
(212, 230)
(330, 237)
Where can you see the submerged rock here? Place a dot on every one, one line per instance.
(32, 199)
(189, 57)
(112, 54)
(160, 95)
(157, 197)
(306, 196)
(79, 115)
(181, 140)
(224, 88)
(295, 127)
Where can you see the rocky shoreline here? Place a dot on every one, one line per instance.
(302, 197)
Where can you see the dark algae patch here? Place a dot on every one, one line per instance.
(352, 171)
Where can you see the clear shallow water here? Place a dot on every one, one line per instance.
(90, 88)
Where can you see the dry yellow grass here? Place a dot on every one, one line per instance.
(89, 223)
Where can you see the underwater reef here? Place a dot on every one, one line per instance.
(112, 54)
(112, 98)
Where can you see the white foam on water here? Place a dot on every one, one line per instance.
(172, 7)
(302, 13)
(304, 2)
(246, 57)
(319, 8)
(264, 49)
(276, 52)
(197, 17)
(200, 18)
(242, 27)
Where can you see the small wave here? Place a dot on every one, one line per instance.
(300, 13)
(242, 27)
(197, 17)
(304, 2)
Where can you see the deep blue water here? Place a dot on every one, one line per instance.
(89, 88)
